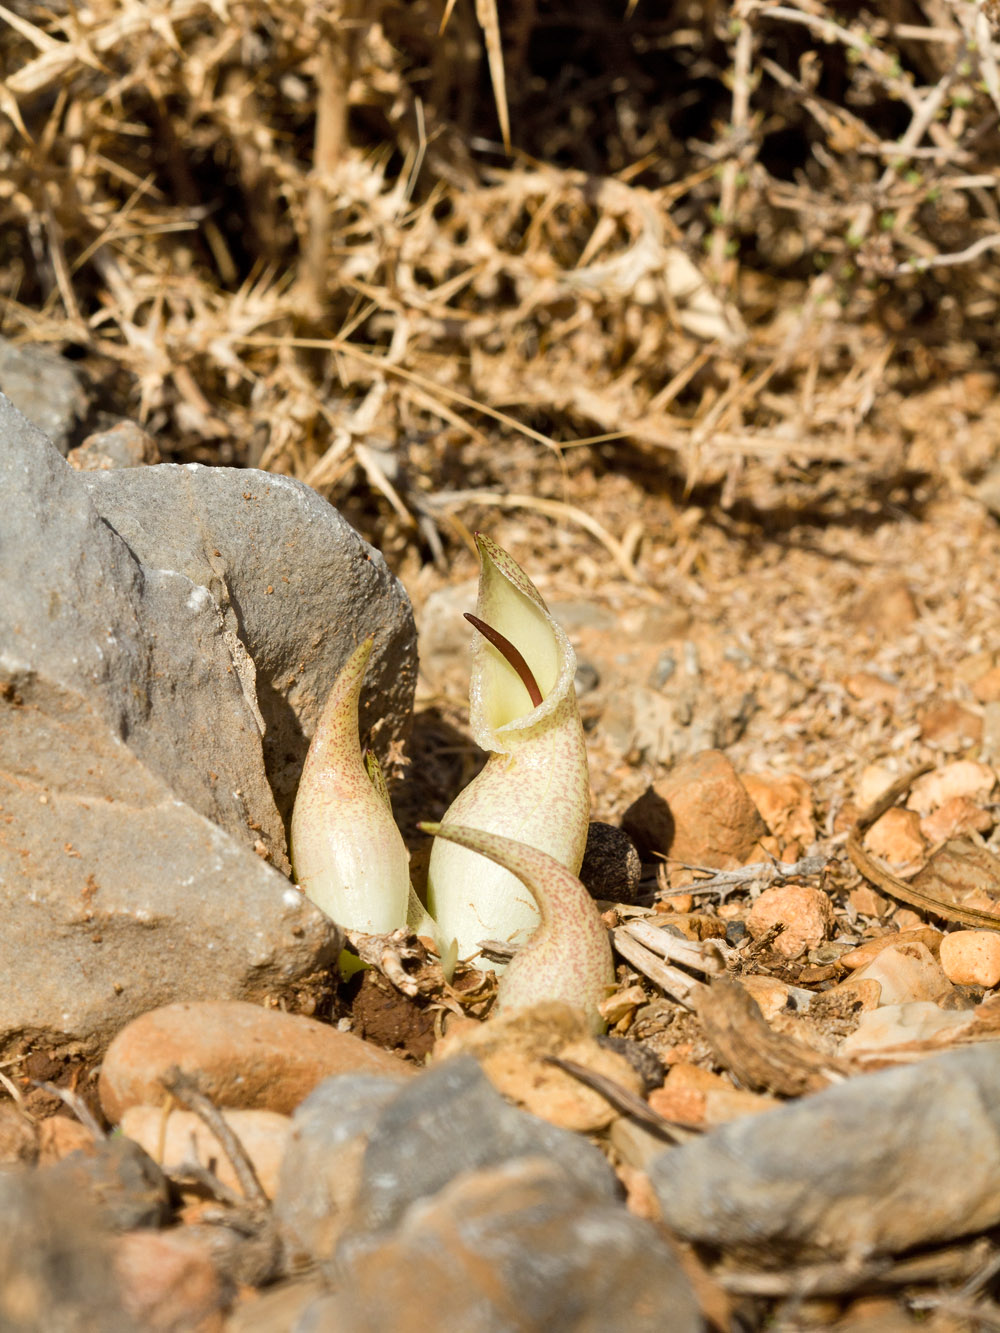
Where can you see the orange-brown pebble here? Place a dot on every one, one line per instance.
(242, 1054)
(949, 725)
(972, 957)
(964, 777)
(956, 817)
(694, 1096)
(182, 1137)
(864, 953)
(896, 837)
(700, 813)
(987, 687)
(784, 803)
(168, 1280)
(805, 912)
(679, 902)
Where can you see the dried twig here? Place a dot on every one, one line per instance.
(184, 1088)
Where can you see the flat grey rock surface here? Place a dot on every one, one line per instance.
(878, 1164)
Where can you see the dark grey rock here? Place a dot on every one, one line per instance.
(117, 896)
(46, 388)
(321, 1168)
(451, 1120)
(519, 1245)
(289, 578)
(55, 1261)
(364, 1149)
(131, 732)
(120, 1179)
(878, 1164)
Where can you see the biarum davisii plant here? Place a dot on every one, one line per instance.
(347, 853)
(535, 788)
(569, 955)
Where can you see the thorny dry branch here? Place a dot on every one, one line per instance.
(729, 237)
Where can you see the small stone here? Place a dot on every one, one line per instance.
(513, 1051)
(700, 813)
(805, 912)
(58, 1136)
(362, 1151)
(972, 957)
(167, 1281)
(869, 688)
(123, 1181)
(875, 779)
(694, 1096)
(243, 1056)
(866, 902)
(963, 777)
(906, 972)
(896, 837)
(956, 818)
(784, 802)
(18, 1137)
(906, 919)
(55, 1266)
(949, 726)
(123, 445)
(909, 1024)
(885, 609)
(183, 1137)
(987, 687)
(46, 387)
(611, 867)
(770, 994)
(864, 953)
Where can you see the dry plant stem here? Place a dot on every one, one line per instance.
(77, 1105)
(675, 983)
(185, 1090)
(897, 888)
(724, 882)
(332, 82)
(739, 133)
(759, 1057)
(386, 954)
(706, 957)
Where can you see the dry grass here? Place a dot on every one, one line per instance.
(732, 237)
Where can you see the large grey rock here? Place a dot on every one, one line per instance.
(46, 388)
(290, 578)
(363, 1150)
(519, 1245)
(321, 1168)
(451, 1120)
(131, 738)
(878, 1164)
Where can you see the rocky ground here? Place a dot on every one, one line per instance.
(791, 1123)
